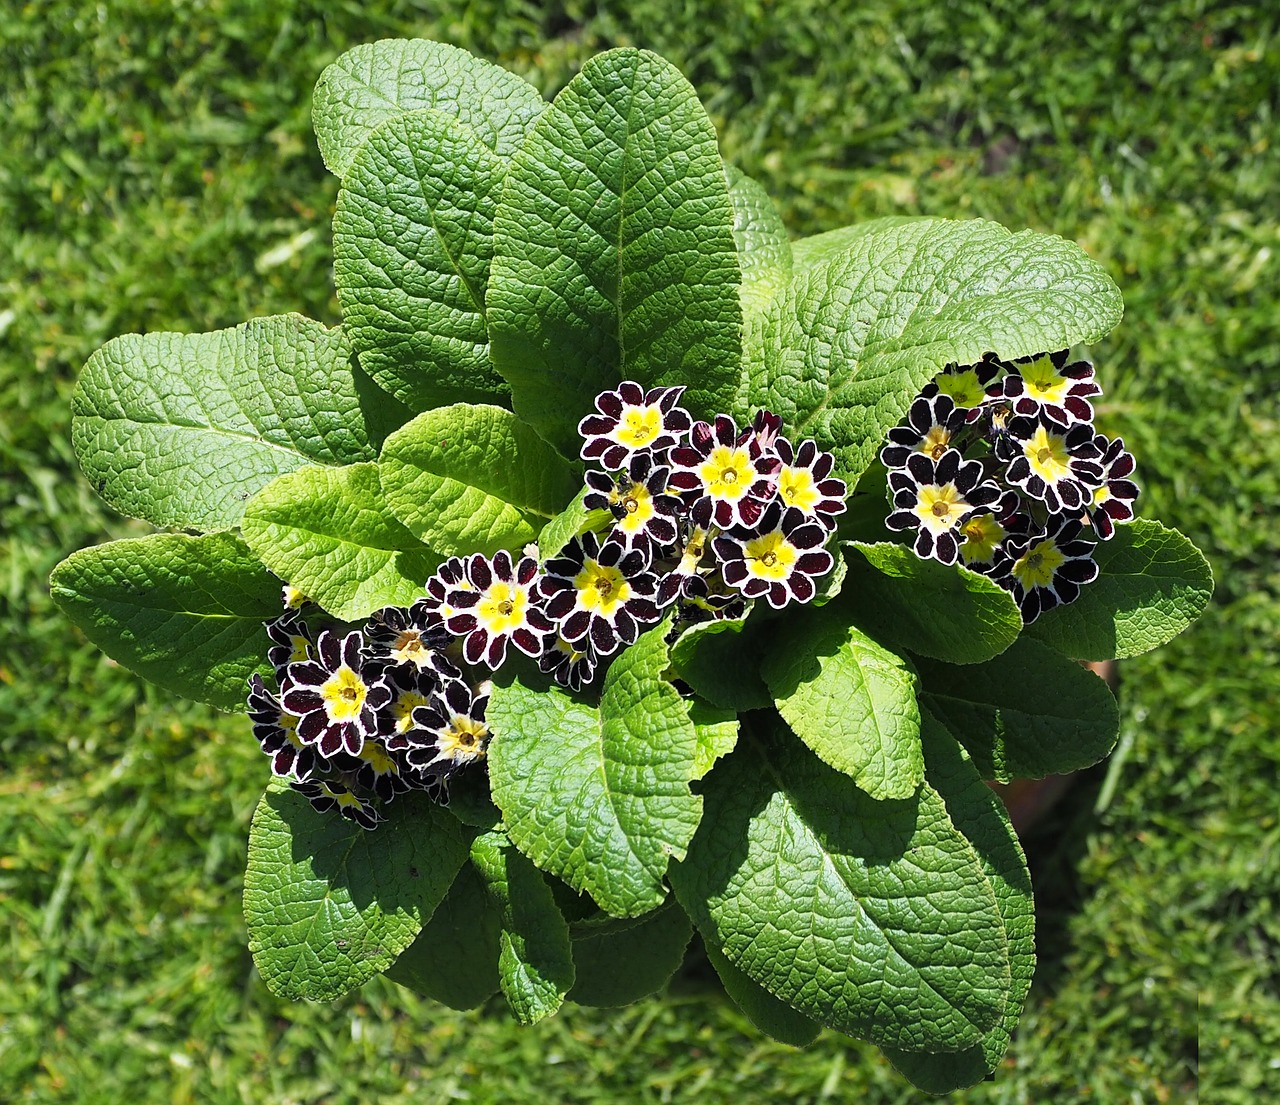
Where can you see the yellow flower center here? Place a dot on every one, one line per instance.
(1048, 455)
(502, 608)
(378, 758)
(982, 533)
(940, 506)
(639, 427)
(343, 694)
(963, 388)
(409, 648)
(1038, 565)
(798, 489)
(770, 556)
(463, 741)
(727, 473)
(402, 709)
(936, 442)
(1045, 383)
(601, 589)
(637, 503)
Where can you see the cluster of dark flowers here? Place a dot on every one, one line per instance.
(699, 518)
(997, 466)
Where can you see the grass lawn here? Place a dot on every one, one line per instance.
(157, 172)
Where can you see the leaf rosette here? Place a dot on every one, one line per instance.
(628, 568)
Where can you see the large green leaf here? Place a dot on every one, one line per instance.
(1028, 713)
(621, 960)
(454, 959)
(851, 340)
(377, 81)
(717, 730)
(813, 250)
(721, 661)
(1152, 583)
(412, 241)
(981, 817)
(764, 252)
(874, 918)
(614, 255)
(600, 797)
(183, 612)
(180, 429)
(329, 904)
(849, 699)
(330, 533)
(474, 479)
(535, 958)
(771, 1015)
(931, 609)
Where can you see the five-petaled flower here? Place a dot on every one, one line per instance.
(935, 498)
(415, 635)
(644, 512)
(1059, 465)
(805, 482)
(1113, 501)
(326, 796)
(1046, 384)
(334, 697)
(450, 731)
(277, 732)
(726, 478)
(598, 591)
(778, 560)
(932, 425)
(1048, 565)
(630, 420)
(500, 604)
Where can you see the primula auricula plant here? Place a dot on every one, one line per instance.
(643, 570)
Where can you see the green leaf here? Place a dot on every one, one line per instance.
(329, 904)
(454, 959)
(874, 918)
(183, 612)
(721, 661)
(535, 960)
(772, 1017)
(471, 479)
(849, 699)
(930, 609)
(571, 522)
(816, 249)
(850, 341)
(412, 242)
(330, 533)
(618, 961)
(1152, 583)
(1031, 712)
(599, 798)
(981, 817)
(614, 255)
(764, 252)
(717, 731)
(377, 81)
(181, 429)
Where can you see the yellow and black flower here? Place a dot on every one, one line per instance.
(632, 420)
(499, 604)
(779, 560)
(935, 498)
(1048, 565)
(725, 478)
(336, 697)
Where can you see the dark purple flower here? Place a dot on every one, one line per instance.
(1046, 384)
(334, 698)
(644, 512)
(935, 498)
(449, 731)
(1048, 565)
(726, 478)
(1059, 465)
(778, 560)
(326, 796)
(1112, 503)
(499, 604)
(599, 591)
(931, 427)
(630, 420)
(277, 732)
(805, 482)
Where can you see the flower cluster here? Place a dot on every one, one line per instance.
(697, 517)
(998, 466)
(361, 715)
